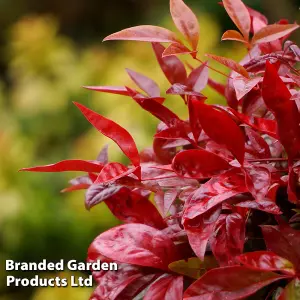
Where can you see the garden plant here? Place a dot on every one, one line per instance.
(212, 209)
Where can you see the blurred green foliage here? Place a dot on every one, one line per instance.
(40, 125)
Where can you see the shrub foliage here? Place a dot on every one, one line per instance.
(210, 210)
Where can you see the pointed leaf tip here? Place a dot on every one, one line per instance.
(186, 21)
(144, 33)
(113, 131)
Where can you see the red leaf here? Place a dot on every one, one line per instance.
(266, 261)
(283, 243)
(144, 83)
(230, 283)
(233, 35)
(218, 87)
(194, 119)
(131, 207)
(69, 165)
(136, 244)
(144, 33)
(258, 144)
(198, 164)
(165, 288)
(277, 98)
(178, 49)
(186, 21)
(214, 192)
(273, 32)
(118, 90)
(77, 187)
(215, 123)
(200, 229)
(159, 111)
(112, 171)
(198, 78)
(228, 239)
(262, 125)
(172, 67)
(240, 16)
(117, 285)
(258, 181)
(114, 131)
(231, 64)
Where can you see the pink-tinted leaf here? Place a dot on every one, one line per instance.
(200, 229)
(198, 164)
(144, 33)
(228, 239)
(277, 98)
(103, 155)
(244, 85)
(198, 78)
(233, 35)
(273, 32)
(172, 67)
(164, 200)
(118, 90)
(68, 165)
(214, 192)
(182, 89)
(230, 283)
(231, 64)
(266, 261)
(98, 193)
(114, 131)
(258, 20)
(215, 123)
(239, 14)
(291, 291)
(263, 205)
(178, 49)
(136, 244)
(283, 243)
(144, 83)
(165, 288)
(186, 21)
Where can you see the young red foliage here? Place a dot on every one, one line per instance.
(215, 178)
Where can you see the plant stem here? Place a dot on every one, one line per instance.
(213, 69)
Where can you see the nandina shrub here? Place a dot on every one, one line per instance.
(223, 223)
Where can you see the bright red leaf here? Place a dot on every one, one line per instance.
(165, 288)
(114, 131)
